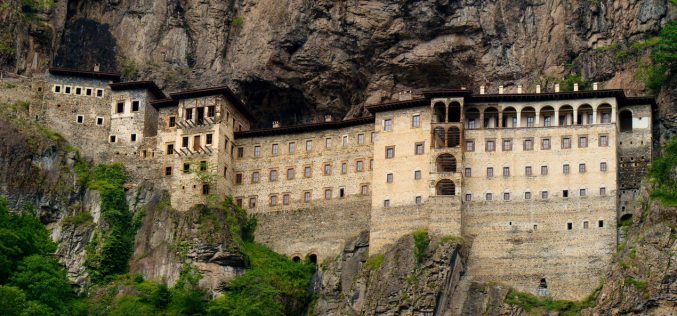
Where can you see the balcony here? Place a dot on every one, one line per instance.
(195, 151)
(199, 122)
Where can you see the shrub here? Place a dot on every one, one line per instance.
(421, 242)
(663, 174)
(78, 219)
(638, 284)
(375, 262)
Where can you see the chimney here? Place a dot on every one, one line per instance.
(595, 86)
(500, 89)
(97, 66)
(519, 88)
(575, 87)
(557, 87)
(481, 89)
(328, 118)
(276, 124)
(538, 88)
(405, 95)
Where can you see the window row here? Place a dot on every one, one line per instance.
(292, 148)
(77, 90)
(544, 170)
(188, 168)
(528, 144)
(528, 195)
(387, 124)
(306, 196)
(327, 170)
(80, 119)
(132, 138)
(195, 142)
(585, 224)
(120, 106)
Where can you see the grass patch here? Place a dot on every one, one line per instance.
(638, 284)
(375, 262)
(421, 242)
(79, 219)
(663, 175)
(531, 302)
(456, 240)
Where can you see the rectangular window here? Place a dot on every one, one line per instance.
(184, 142)
(67, 89)
(307, 171)
(275, 149)
(209, 139)
(418, 149)
(360, 139)
(389, 178)
(565, 193)
(468, 197)
(570, 226)
(527, 171)
(205, 189)
(285, 199)
(506, 196)
(99, 121)
(416, 121)
(490, 145)
(602, 191)
(582, 192)
(238, 178)
(172, 121)
(582, 141)
(388, 125)
(112, 138)
(273, 200)
(99, 93)
(373, 137)
(327, 194)
(585, 225)
(80, 119)
(133, 137)
(344, 140)
(527, 195)
(292, 147)
(78, 91)
(57, 88)
(189, 114)
(602, 166)
(506, 171)
(581, 168)
(327, 143)
(390, 152)
(468, 172)
(417, 175)
(203, 165)
(565, 169)
(168, 171)
(238, 201)
(257, 151)
(309, 145)
(359, 166)
(530, 121)
(290, 174)
(240, 152)
(544, 170)
(273, 175)
(490, 172)
(488, 197)
(364, 189)
(544, 195)
(371, 164)
(418, 200)
(327, 169)
(507, 145)
(344, 168)
(211, 111)
(545, 143)
(135, 106)
(547, 121)
(566, 142)
(528, 144)
(252, 202)
(170, 149)
(120, 108)
(186, 167)
(603, 140)
(469, 145)
(471, 124)
(386, 203)
(306, 197)
(600, 223)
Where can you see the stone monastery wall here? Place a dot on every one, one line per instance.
(535, 181)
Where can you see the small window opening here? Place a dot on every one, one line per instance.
(570, 226)
(342, 192)
(313, 258)
(296, 259)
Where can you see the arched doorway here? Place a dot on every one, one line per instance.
(445, 187)
(454, 112)
(446, 163)
(312, 258)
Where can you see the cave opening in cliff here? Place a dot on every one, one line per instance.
(269, 102)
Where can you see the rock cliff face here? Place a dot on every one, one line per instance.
(296, 59)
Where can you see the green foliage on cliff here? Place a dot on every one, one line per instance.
(567, 84)
(663, 58)
(531, 302)
(375, 262)
(663, 174)
(421, 242)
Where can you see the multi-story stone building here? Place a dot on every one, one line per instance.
(536, 182)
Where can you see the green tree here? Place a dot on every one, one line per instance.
(43, 280)
(12, 300)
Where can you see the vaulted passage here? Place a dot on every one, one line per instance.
(445, 187)
(446, 163)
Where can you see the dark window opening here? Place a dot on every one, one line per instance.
(342, 192)
(209, 140)
(211, 111)
(446, 163)
(565, 193)
(168, 171)
(570, 226)
(186, 168)
(200, 115)
(203, 165)
(454, 112)
(135, 106)
(120, 107)
(205, 189)
(312, 258)
(296, 259)
(172, 121)
(189, 114)
(543, 284)
(133, 138)
(445, 187)
(625, 118)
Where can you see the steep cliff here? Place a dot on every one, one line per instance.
(292, 60)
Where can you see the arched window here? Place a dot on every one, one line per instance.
(604, 113)
(454, 112)
(584, 115)
(472, 118)
(509, 118)
(528, 117)
(446, 163)
(445, 187)
(312, 258)
(625, 119)
(566, 115)
(543, 284)
(490, 118)
(439, 112)
(438, 137)
(547, 116)
(453, 137)
(296, 259)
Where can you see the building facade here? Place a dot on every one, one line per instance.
(535, 182)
